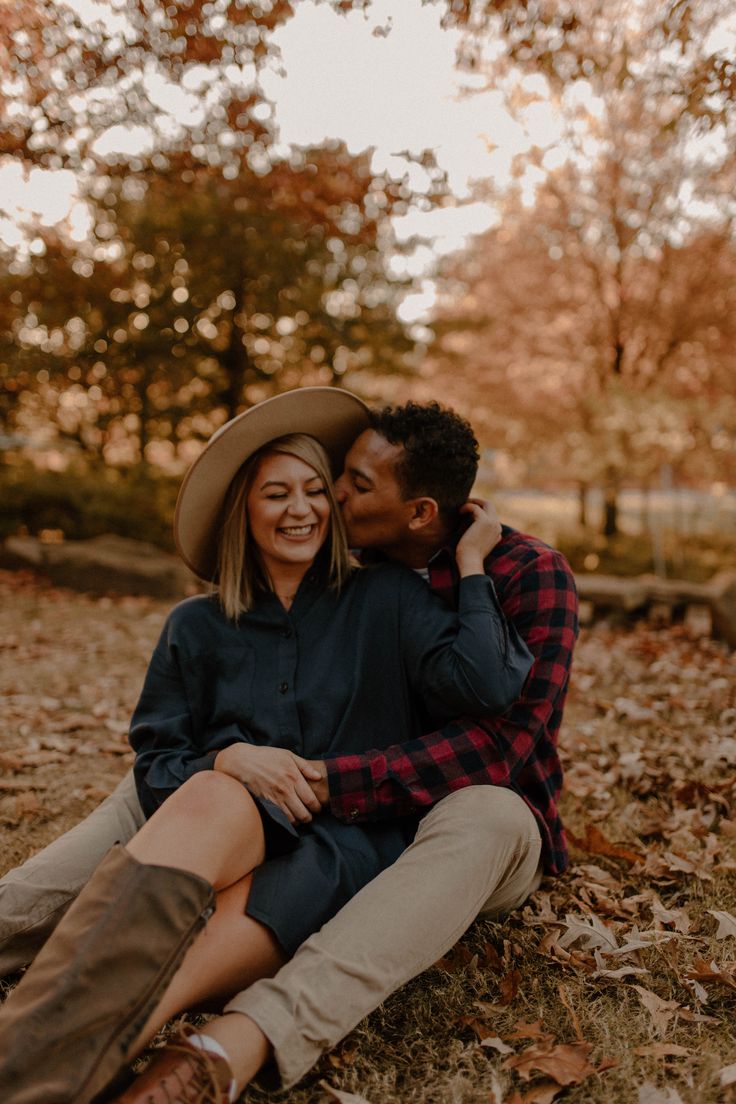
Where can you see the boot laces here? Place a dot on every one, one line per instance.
(194, 1080)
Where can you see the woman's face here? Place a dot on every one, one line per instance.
(288, 512)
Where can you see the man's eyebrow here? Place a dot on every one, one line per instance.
(358, 474)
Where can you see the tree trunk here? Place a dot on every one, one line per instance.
(610, 510)
(583, 505)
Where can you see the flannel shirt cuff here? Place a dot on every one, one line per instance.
(352, 786)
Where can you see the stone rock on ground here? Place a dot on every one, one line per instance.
(103, 565)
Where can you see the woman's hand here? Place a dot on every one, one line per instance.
(480, 538)
(276, 774)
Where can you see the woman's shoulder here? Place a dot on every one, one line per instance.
(195, 612)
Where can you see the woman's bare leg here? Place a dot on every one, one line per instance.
(233, 951)
(210, 826)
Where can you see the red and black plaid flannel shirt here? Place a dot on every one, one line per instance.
(536, 590)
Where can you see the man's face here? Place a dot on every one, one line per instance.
(368, 491)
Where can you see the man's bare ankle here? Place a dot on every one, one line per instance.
(246, 1046)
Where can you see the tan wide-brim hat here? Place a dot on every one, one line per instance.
(334, 417)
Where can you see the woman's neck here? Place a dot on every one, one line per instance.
(285, 580)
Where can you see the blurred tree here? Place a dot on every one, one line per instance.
(197, 294)
(220, 266)
(569, 42)
(601, 310)
(68, 78)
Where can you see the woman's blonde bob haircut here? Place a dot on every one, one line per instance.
(240, 568)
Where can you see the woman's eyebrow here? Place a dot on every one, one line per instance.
(283, 483)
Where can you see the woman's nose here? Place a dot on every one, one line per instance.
(300, 506)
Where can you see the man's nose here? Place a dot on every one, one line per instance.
(341, 490)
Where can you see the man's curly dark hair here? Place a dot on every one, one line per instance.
(440, 452)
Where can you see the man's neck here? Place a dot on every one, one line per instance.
(419, 547)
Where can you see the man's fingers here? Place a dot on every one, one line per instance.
(306, 795)
(307, 769)
(298, 809)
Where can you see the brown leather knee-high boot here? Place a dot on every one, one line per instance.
(70, 1024)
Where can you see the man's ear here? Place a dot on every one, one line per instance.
(424, 512)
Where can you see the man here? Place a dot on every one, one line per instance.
(494, 783)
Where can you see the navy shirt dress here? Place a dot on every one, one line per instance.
(377, 664)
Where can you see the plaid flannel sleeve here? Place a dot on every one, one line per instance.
(517, 749)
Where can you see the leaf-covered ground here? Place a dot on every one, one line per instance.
(615, 983)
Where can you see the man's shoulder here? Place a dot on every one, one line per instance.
(521, 554)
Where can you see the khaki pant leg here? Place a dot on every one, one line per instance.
(34, 896)
(476, 849)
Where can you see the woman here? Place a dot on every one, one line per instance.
(298, 655)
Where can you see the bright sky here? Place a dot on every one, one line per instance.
(346, 78)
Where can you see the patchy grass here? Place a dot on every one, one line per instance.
(617, 979)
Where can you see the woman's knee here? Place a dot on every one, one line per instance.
(211, 796)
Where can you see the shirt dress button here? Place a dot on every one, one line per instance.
(283, 687)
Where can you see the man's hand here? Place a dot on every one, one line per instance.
(480, 538)
(276, 774)
(320, 786)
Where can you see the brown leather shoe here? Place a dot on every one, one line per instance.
(180, 1073)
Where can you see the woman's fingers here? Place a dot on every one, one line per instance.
(275, 774)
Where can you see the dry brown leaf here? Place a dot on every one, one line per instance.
(491, 959)
(592, 931)
(650, 1094)
(567, 1063)
(14, 785)
(342, 1097)
(11, 762)
(615, 975)
(509, 986)
(459, 959)
(595, 843)
(43, 758)
(709, 971)
(544, 1093)
(342, 1059)
(727, 1075)
(524, 1030)
(495, 1043)
(676, 918)
(660, 1010)
(726, 923)
(662, 1050)
(27, 805)
(116, 748)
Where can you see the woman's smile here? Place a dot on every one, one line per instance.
(297, 530)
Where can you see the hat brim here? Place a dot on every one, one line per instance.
(334, 417)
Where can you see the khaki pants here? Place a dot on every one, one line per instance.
(35, 896)
(476, 851)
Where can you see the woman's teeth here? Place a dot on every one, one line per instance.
(297, 530)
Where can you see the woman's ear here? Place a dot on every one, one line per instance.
(424, 512)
